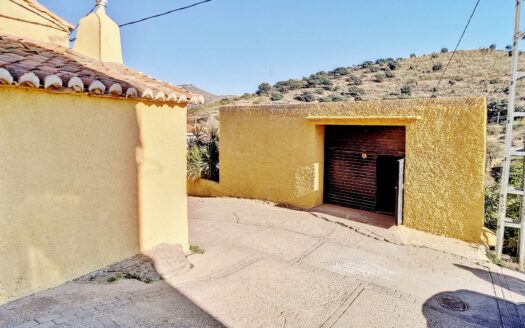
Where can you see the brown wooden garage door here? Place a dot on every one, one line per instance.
(352, 154)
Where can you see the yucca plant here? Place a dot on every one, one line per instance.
(203, 154)
(195, 163)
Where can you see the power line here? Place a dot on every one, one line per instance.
(150, 17)
(164, 13)
(457, 46)
(76, 26)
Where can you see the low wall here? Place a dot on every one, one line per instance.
(276, 153)
(72, 197)
(204, 188)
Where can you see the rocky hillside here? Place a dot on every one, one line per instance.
(208, 97)
(483, 72)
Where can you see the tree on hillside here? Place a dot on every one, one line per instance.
(264, 89)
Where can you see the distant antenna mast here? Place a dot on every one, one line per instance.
(512, 153)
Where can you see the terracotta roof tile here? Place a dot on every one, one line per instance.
(19, 56)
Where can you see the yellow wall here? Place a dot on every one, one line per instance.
(276, 153)
(72, 197)
(21, 20)
(162, 176)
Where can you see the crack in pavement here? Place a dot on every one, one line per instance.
(377, 237)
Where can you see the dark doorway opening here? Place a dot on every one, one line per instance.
(362, 168)
(387, 176)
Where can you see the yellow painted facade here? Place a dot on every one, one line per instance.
(85, 182)
(18, 17)
(276, 153)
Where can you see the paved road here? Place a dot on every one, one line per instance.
(266, 266)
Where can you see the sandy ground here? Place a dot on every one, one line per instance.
(266, 266)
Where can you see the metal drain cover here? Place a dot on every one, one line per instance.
(452, 303)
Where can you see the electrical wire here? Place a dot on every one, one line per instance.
(457, 46)
(164, 13)
(76, 26)
(149, 17)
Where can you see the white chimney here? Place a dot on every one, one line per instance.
(98, 36)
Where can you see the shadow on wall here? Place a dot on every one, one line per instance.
(463, 307)
(126, 288)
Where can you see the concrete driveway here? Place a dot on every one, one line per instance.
(266, 266)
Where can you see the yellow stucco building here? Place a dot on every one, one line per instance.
(94, 153)
(348, 154)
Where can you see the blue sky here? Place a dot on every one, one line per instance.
(230, 46)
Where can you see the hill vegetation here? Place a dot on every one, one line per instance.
(482, 72)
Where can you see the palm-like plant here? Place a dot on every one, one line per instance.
(195, 164)
(203, 154)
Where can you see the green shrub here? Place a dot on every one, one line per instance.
(437, 67)
(497, 105)
(282, 88)
(444, 50)
(264, 89)
(275, 96)
(381, 61)
(225, 101)
(337, 97)
(434, 56)
(373, 69)
(354, 91)
(393, 65)
(196, 249)
(354, 80)
(285, 86)
(492, 46)
(306, 97)
(318, 79)
(379, 77)
(333, 98)
(413, 56)
(406, 90)
(451, 82)
(494, 129)
(340, 71)
(367, 64)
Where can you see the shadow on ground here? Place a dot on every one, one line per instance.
(448, 309)
(463, 307)
(131, 293)
(502, 280)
